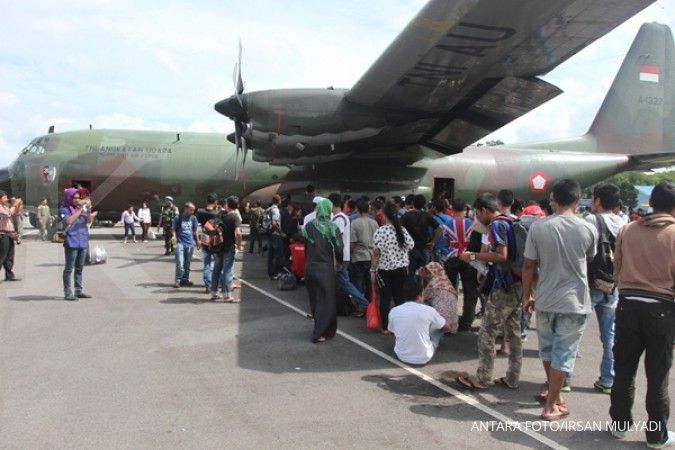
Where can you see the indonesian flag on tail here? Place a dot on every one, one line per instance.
(649, 73)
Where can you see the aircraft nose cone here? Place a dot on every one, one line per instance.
(231, 108)
(4, 181)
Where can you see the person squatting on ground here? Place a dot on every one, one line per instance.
(203, 215)
(503, 309)
(145, 218)
(8, 235)
(76, 214)
(559, 245)
(129, 219)
(440, 293)
(418, 328)
(168, 214)
(323, 250)
(644, 269)
(390, 262)
(223, 255)
(341, 220)
(185, 233)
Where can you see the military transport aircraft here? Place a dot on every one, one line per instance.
(460, 70)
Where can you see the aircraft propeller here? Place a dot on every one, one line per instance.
(240, 126)
(234, 107)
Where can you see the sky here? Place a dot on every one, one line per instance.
(164, 64)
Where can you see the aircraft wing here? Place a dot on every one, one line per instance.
(471, 65)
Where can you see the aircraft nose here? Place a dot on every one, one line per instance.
(4, 181)
(231, 108)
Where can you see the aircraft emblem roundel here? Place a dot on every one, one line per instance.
(48, 174)
(539, 182)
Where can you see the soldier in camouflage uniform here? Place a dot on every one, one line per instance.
(169, 211)
(504, 304)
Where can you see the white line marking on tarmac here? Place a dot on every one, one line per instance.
(469, 400)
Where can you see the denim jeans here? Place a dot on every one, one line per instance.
(183, 260)
(206, 273)
(343, 281)
(129, 229)
(74, 262)
(605, 311)
(524, 323)
(222, 272)
(559, 338)
(359, 273)
(275, 255)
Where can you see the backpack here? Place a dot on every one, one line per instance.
(517, 248)
(265, 222)
(601, 269)
(212, 234)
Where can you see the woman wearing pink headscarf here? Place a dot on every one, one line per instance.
(439, 293)
(76, 214)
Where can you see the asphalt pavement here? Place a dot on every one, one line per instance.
(143, 365)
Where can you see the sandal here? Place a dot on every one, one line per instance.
(467, 383)
(562, 413)
(502, 382)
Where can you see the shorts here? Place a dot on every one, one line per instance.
(559, 338)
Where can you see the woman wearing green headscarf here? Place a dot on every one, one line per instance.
(323, 248)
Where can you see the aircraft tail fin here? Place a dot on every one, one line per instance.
(638, 117)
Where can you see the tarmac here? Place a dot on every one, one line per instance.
(143, 365)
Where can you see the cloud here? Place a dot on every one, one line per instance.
(159, 64)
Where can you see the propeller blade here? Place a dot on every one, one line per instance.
(239, 83)
(238, 145)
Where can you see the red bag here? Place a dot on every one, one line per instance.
(373, 319)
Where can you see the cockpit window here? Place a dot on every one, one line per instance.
(36, 147)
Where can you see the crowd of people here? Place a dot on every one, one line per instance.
(518, 257)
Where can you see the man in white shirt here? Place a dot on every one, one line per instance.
(418, 328)
(342, 221)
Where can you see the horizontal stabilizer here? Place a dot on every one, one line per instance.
(652, 161)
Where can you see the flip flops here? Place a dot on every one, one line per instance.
(561, 414)
(502, 382)
(466, 383)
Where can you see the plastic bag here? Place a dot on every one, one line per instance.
(373, 319)
(99, 255)
(151, 235)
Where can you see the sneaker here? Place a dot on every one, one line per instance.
(602, 387)
(275, 277)
(617, 434)
(215, 296)
(83, 295)
(176, 285)
(670, 440)
(70, 298)
(566, 387)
